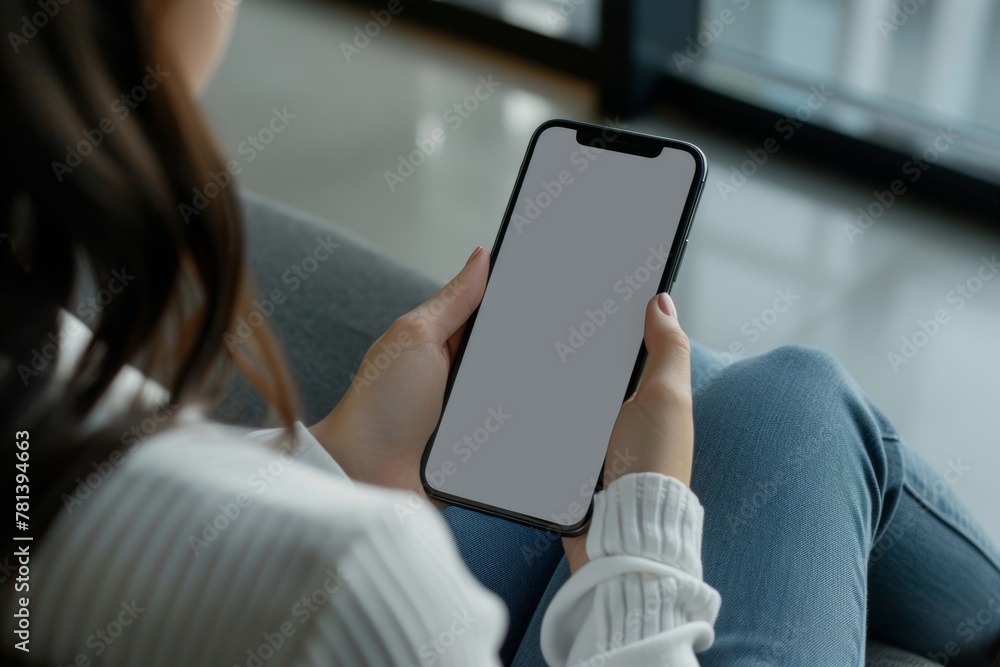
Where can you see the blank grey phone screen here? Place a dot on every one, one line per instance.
(527, 424)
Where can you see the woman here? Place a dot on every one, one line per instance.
(164, 538)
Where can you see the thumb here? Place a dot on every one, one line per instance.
(668, 362)
(446, 312)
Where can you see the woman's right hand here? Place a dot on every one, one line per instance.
(654, 431)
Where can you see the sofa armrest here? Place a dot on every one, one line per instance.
(327, 293)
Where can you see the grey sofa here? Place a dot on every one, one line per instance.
(328, 320)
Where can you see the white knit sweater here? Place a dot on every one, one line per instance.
(203, 546)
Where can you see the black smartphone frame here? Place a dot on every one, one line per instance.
(601, 137)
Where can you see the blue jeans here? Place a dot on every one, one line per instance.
(821, 529)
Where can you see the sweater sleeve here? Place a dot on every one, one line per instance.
(406, 599)
(235, 554)
(402, 596)
(640, 599)
(306, 449)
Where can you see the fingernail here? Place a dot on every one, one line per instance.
(475, 252)
(666, 304)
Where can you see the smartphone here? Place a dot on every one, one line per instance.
(596, 226)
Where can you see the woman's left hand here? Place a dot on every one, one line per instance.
(378, 431)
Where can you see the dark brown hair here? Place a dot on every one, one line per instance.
(103, 144)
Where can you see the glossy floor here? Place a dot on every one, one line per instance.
(358, 107)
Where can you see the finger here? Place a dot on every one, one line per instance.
(446, 312)
(452, 343)
(668, 360)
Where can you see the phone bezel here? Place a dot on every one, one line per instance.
(622, 141)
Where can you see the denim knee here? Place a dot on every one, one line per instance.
(818, 373)
(810, 364)
(793, 379)
(797, 403)
(812, 417)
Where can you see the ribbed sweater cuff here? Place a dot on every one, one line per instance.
(648, 515)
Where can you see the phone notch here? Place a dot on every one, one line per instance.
(607, 138)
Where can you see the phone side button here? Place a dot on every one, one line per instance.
(680, 261)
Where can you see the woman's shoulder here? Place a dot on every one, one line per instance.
(209, 533)
(198, 467)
